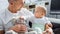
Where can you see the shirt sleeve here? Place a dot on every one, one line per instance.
(1, 24)
(28, 15)
(47, 21)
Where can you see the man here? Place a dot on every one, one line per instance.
(14, 9)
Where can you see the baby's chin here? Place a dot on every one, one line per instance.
(39, 17)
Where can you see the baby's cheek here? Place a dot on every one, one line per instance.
(36, 15)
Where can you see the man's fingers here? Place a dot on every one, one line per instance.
(15, 28)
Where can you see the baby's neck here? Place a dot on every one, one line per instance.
(39, 17)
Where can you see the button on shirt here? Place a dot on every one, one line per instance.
(6, 16)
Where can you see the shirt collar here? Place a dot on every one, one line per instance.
(9, 13)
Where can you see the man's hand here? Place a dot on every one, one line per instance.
(48, 31)
(2, 32)
(19, 28)
(47, 26)
(23, 28)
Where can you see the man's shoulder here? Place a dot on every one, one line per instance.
(27, 11)
(24, 9)
(2, 12)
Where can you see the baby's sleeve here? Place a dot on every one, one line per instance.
(47, 20)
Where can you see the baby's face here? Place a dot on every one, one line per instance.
(39, 12)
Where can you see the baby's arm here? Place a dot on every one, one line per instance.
(48, 29)
(48, 26)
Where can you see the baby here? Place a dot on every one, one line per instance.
(40, 21)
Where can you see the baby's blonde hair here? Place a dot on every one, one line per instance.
(41, 7)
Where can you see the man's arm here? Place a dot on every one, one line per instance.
(1, 27)
(2, 32)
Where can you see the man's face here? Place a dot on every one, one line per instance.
(17, 4)
(39, 12)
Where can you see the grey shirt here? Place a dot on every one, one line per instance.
(6, 16)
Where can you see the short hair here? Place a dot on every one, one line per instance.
(8, 0)
(42, 7)
(15, 0)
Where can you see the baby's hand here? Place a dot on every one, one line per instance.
(44, 32)
(49, 31)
